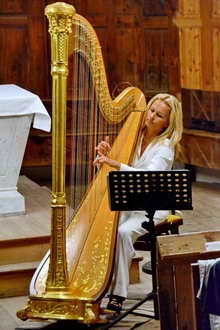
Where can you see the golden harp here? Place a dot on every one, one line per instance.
(74, 276)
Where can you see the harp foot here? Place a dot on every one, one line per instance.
(23, 313)
(89, 314)
(92, 314)
(81, 310)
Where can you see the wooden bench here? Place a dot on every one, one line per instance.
(166, 227)
(175, 289)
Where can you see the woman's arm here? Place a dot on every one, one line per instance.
(161, 161)
(106, 160)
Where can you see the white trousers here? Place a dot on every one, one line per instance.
(128, 232)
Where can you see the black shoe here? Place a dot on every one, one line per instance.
(115, 303)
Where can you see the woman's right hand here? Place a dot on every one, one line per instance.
(103, 147)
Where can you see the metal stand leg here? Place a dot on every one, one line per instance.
(154, 275)
(150, 226)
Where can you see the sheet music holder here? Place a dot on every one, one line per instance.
(149, 191)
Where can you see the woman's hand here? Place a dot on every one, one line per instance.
(106, 160)
(103, 147)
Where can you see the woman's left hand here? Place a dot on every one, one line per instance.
(106, 160)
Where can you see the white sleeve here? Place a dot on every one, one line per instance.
(161, 161)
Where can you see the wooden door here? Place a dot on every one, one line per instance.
(198, 22)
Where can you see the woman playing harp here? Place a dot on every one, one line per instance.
(160, 136)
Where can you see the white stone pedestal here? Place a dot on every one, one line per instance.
(18, 108)
(14, 132)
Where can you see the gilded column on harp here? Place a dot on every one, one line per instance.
(60, 17)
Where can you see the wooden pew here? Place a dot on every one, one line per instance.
(175, 254)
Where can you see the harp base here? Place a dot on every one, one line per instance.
(83, 310)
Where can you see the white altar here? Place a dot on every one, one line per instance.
(18, 109)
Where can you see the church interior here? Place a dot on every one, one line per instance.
(72, 73)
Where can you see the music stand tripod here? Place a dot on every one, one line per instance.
(149, 191)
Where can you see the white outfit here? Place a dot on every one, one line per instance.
(158, 156)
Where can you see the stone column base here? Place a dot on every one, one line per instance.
(11, 203)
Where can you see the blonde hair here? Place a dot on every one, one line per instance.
(175, 128)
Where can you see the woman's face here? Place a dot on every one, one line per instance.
(157, 119)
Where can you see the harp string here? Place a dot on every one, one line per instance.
(88, 124)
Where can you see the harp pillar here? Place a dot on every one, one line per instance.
(60, 23)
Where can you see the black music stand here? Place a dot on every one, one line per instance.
(149, 191)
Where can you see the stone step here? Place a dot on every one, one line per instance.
(19, 259)
(36, 222)
(23, 250)
(15, 279)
